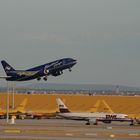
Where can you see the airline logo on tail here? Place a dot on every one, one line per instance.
(8, 68)
(62, 107)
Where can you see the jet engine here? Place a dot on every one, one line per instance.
(57, 73)
(92, 121)
(46, 71)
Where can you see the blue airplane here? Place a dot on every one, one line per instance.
(54, 68)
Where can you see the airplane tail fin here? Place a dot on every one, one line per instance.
(21, 107)
(95, 107)
(7, 67)
(62, 107)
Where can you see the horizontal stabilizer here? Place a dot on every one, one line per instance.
(4, 77)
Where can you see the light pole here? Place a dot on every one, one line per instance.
(7, 104)
(13, 95)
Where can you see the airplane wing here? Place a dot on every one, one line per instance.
(4, 77)
(26, 73)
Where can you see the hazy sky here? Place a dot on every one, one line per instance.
(103, 35)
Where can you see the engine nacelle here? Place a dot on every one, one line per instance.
(46, 71)
(92, 121)
(57, 73)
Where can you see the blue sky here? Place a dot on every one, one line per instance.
(103, 35)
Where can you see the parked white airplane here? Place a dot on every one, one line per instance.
(90, 118)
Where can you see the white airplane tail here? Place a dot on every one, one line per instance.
(62, 107)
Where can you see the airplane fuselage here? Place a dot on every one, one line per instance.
(54, 68)
(98, 115)
(89, 117)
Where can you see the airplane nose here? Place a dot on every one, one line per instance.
(74, 61)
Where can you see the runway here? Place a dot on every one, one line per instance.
(59, 129)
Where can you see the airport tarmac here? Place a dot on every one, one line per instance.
(60, 129)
